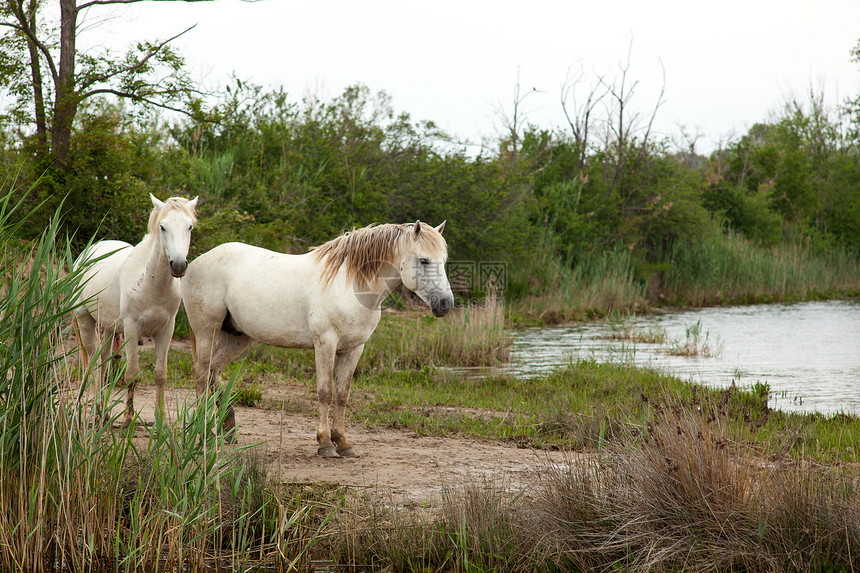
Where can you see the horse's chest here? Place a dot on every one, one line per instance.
(153, 320)
(150, 313)
(352, 333)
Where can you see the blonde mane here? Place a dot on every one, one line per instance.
(169, 205)
(364, 251)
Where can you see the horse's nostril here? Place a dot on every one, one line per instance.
(177, 269)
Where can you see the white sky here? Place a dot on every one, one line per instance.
(727, 64)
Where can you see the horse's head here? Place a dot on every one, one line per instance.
(422, 267)
(172, 221)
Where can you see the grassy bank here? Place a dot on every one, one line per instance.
(663, 475)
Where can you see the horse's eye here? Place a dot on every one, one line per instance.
(190, 227)
(162, 228)
(424, 261)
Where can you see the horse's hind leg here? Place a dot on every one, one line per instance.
(94, 357)
(346, 362)
(85, 332)
(212, 352)
(201, 349)
(228, 347)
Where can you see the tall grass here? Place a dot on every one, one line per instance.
(471, 335)
(728, 268)
(719, 269)
(75, 492)
(597, 285)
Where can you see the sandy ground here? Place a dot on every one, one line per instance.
(397, 463)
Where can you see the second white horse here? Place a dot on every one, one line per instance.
(134, 292)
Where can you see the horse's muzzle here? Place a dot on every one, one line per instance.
(177, 268)
(441, 306)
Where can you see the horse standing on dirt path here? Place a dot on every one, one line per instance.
(134, 292)
(328, 299)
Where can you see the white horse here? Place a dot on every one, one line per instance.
(327, 299)
(134, 292)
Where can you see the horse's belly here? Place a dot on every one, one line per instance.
(289, 340)
(272, 326)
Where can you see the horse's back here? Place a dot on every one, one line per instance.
(233, 264)
(265, 292)
(110, 250)
(245, 269)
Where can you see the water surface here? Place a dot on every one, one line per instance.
(809, 353)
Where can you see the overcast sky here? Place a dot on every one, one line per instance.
(727, 64)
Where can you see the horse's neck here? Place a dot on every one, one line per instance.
(371, 295)
(387, 281)
(157, 267)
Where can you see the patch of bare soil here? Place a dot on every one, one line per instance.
(395, 464)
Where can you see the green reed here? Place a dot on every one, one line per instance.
(75, 490)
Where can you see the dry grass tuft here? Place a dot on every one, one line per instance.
(692, 497)
(472, 335)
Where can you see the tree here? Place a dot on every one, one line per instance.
(29, 47)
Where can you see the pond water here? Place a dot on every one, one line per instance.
(809, 353)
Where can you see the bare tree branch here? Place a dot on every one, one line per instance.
(580, 123)
(150, 53)
(513, 124)
(136, 97)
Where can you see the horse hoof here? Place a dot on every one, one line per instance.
(328, 452)
(348, 453)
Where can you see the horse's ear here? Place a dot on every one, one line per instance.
(441, 226)
(156, 203)
(417, 228)
(193, 203)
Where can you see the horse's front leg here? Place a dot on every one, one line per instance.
(162, 346)
(324, 353)
(132, 368)
(346, 362)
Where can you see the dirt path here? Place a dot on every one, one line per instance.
(395, 463)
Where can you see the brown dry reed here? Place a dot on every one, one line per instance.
(472, 335)
(694, 497)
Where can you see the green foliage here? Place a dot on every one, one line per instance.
(747, 213)
(290, 175)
